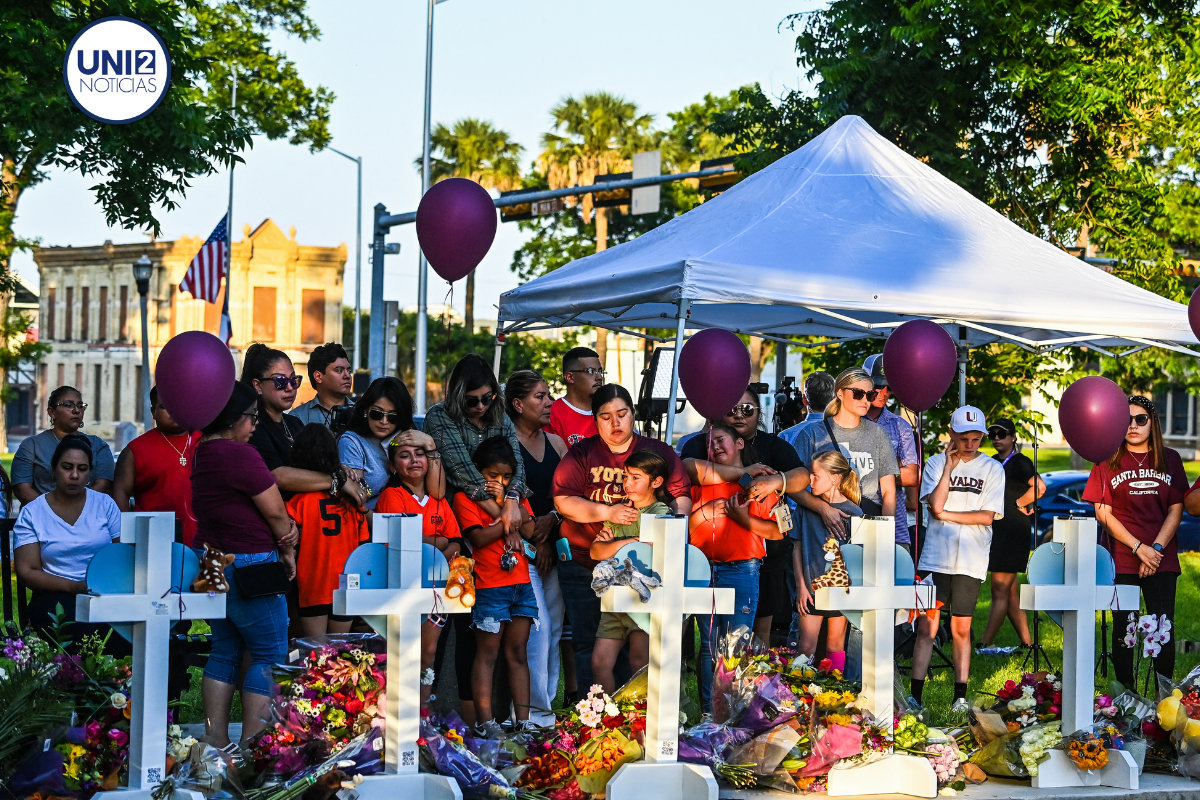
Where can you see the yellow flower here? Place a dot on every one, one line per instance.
(839, 719)
(454, 736)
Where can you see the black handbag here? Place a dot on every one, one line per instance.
(869, 507)
(261, 580)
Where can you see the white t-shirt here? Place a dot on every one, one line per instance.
(951, 547)
(68, 549)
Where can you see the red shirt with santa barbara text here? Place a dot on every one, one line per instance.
(570, 423)
(591, 471)
(1139, 497)
(488, 573)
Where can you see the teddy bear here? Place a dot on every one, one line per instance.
(461, 583)
(211, 577)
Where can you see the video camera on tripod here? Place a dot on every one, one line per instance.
(789, 404)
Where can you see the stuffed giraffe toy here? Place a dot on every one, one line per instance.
(837, 574)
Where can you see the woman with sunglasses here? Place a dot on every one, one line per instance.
(385, 414)
(270, 373)
(767, 449)
(1011, 535)
(32, 474)
(1138, 494)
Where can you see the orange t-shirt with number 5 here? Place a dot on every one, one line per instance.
(329, 532)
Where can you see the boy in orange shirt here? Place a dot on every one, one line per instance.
(405, 494)
(330, 529)
(505, 605)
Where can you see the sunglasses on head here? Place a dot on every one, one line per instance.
(486, 400)
(377, 414)
(859, 394)
(1140, 420)
(282, 383)
(998, 433)
(743, 410)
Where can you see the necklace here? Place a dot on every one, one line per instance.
(182, 453)
(1141, 462)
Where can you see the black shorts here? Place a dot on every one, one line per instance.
(959, 593)
(324, 610)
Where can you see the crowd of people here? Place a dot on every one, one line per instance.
(539, 491)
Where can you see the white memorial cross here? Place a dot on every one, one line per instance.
(403, 603)
(661, 775)
(152, 608)
(1079, 597)
(878, 598)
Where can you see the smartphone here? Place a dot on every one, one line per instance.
(745, 481)
(530, 551)
(564, 549)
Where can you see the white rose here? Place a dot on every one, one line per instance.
(611, 710)
(118, 700)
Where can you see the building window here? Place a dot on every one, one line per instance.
(123, 314)
(98, 390)
(69, 314)
(51, 300)
(264, 313)
(312, 324)
(138, 416)
(102, 334)
(62, 378)
(79, 379)
(116, 392)
(171, 320)
(84, 312)
(1181, 405)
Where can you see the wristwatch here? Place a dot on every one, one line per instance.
(1158, 548)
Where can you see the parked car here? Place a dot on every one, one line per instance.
(1064, 498)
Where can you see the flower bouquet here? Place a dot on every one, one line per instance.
(447, 755)
(335, 694)
(1037, 698)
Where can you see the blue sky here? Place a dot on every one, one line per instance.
(507, 62)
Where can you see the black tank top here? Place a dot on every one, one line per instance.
(539, 477)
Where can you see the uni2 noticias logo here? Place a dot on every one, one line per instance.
(117, 70)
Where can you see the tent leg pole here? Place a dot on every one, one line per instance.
(496, 357)
(681, 324)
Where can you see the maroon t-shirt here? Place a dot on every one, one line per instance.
(226, 476)
(1139, 497)
(591, 471)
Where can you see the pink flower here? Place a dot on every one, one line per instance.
(119, 738)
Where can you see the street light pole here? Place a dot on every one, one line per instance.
(422, 264)
(143, 268)
(356, 360)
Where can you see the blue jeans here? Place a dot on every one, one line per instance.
(259, 626)
(742, 577)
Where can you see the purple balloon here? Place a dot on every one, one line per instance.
(194, 374)
(714, 371)
(456, 223)
(920, 361)
(1093, 416)
(1194, 313)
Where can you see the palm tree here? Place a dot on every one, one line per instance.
(475, 150)
(593, 135)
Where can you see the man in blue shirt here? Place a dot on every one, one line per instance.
(904, 444)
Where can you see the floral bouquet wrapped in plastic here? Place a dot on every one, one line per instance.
(772, 704)
(448, 756)
(709, 742)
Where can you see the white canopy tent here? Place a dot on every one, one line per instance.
(843, 239)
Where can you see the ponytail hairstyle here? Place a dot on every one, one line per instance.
(315, 449)
(732, 431)
(653, 464)
(257, 362)
(845, 380)
(519, 386)
(833, 462)
(1158, 449)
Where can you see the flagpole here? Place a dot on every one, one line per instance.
(225, 318)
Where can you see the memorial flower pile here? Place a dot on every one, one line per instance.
(1036, 698)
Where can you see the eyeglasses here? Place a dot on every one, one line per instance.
(376, 414)
(486, 400)
(859, 394)
(590, 371)
(743, 410)
(71, 405)
(282, 383)
(253, 415)
(998, 433)
(1140, 420)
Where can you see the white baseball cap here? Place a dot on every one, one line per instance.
(968, 418)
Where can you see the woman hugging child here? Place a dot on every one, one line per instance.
(406, 494)
(835, 482)
(330, 529)
(505, 606)
(646, 474)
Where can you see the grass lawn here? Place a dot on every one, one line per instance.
(1052, 459)
(988, 673)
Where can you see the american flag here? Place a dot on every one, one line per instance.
(203, 278)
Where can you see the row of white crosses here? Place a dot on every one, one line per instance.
(1079, 597)
(152, 608)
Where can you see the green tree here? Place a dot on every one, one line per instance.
(475, 150)
(148, 165)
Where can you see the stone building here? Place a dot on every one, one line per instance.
(285, 294)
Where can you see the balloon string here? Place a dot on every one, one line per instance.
(447, 304)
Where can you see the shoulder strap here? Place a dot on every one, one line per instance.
(829, 428)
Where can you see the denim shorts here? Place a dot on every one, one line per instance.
(501, 603)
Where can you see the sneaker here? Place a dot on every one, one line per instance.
(487, 730)
(527, 726)
(961, 706)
